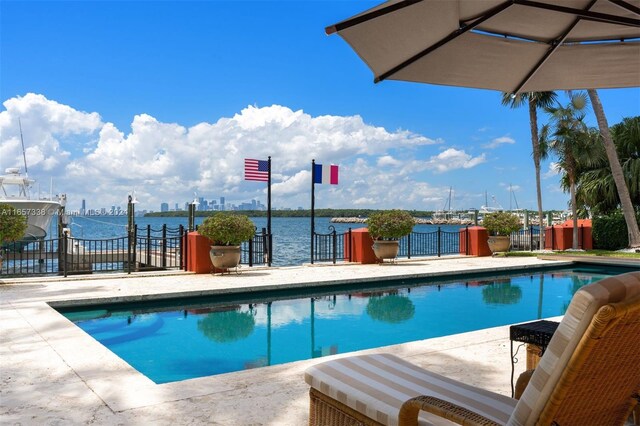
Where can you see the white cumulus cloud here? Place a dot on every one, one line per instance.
(452, 159)
(167, 162)
(495, 143)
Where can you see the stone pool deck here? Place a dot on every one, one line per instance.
(53, 373)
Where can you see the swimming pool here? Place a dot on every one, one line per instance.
(182, 339)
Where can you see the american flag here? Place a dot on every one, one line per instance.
(256, 170)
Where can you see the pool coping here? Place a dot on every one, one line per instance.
(298, 286)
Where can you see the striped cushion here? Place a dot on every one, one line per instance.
(584, 304)
(377, 385)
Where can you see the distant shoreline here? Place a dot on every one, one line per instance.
(332, 213)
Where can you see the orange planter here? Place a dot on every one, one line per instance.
(477, 240)
(560, 237)
(361, 244)
(198, 260)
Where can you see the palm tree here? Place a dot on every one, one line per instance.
(570, 143)
(616, 171)
(589, 154)
(535, 100)
(596, 187)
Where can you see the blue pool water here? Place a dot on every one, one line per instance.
(185, 339)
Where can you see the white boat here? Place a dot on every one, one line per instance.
(15, 191)
(486, 208)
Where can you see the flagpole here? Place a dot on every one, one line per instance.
(313, 179)
(270, 256)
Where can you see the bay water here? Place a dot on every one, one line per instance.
(291, 235)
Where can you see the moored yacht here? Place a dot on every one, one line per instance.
(15, 191)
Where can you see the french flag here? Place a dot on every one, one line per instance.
(325, 174)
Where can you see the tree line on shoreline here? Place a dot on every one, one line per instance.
(338, 213)
(290, 213)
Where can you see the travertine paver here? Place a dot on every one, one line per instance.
(53, 373)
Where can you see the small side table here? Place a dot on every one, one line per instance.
(537, 335)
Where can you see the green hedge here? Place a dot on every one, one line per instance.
(610, 232)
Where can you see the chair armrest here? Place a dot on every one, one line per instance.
(411, 408)
(522, 382)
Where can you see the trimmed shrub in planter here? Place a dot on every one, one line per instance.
(501, 223)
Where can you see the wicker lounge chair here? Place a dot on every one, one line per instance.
(589, 375)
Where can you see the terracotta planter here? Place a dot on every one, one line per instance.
(225, 257)
(385, 249)
(499, 243)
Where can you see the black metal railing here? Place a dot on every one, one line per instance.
(256, 250)
(332, 246)
(435, 243)
(525, 239)
(156, 252)
(141, 249)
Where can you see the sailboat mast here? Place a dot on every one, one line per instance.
(24, 155)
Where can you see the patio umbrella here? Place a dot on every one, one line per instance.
(512, 46)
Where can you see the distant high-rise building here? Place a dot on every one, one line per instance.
(177, 208)
(83, 210)
(201, 205)
(221, 203)
(164, 207)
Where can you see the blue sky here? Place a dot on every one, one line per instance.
(168, 98)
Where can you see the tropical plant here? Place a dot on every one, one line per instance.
(501, 223)
(227, 229)
(534, 100)
(12, 224)
(596, 189)
(568, 137)
(390, 224)
(616, 170)
(610, 231)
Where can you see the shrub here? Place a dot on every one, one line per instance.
(226, 229)
(390, 224)
(12, 224)
(610, 232)
(501, 223)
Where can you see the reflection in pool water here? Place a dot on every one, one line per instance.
(170, 343)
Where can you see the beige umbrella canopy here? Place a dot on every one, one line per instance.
(512, 46)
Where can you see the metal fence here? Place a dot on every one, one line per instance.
(256, 250)
(435, 243)
(142, 249)
(332, 246)
(525, 239)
